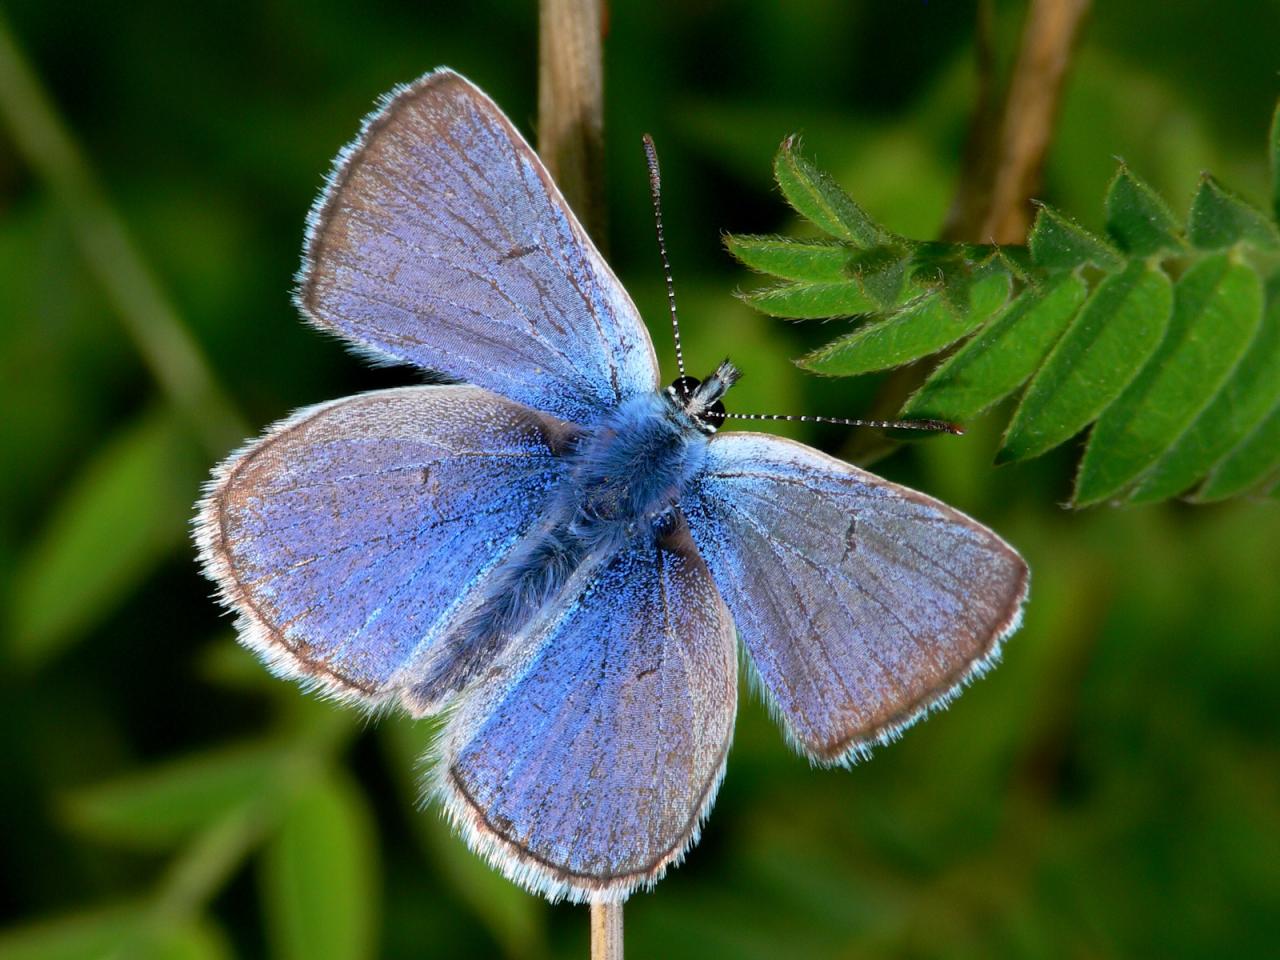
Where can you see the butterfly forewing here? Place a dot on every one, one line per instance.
(861, 603)
(348, 534)
(442, 241)
(584, 765)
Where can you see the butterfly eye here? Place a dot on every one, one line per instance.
(683, 387)
(710, 420)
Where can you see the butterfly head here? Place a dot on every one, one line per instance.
(699, 400)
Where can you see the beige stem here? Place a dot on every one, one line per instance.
(1030, 110)
(571, 106)
(571, 143)
(606, 931)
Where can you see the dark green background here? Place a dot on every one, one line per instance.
(1112, 790)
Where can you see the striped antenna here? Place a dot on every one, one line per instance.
(933, 426)
(655, 189)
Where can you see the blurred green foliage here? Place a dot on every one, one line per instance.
(1111, 790)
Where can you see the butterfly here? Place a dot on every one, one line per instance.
(554, 550)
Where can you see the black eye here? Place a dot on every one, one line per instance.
(684, 387)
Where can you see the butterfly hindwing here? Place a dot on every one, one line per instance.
(583, 765)
(348, 535)
(861, 603)
(442, 240)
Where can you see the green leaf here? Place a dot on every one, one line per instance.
(813, 301)
(1249, 466)
(820, 200)
(1002, 356)
(1059, 243)
(917, 331)
(161, 806)
(1217, 308)
(516, 919)
(123, 514)
(318, 876)
(115, 931)
(791, 259)
(1138, 219)
(1219, 219)
(882, 272)
(987, 294)
(1108, 342)
(73, 937)
(1240, 406)
(1167, 408)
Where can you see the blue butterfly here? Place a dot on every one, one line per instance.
(555, 550)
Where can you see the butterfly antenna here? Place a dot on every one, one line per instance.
(932, 426)
(655, 189)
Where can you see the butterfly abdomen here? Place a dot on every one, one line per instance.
(523, 584)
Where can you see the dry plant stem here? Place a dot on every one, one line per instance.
(571, 143)
(170, 352)
(1031, 107)
(571, 106)
(606, 931)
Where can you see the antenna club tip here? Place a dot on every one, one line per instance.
(941, 426)
(933, 426)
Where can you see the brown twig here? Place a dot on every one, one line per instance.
(571, 106)
(1031, 107)
(1002, 167)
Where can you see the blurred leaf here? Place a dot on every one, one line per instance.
(1240, 406)
(1219, 220)
(110, 933)
(1114, 334)
(1249, 466)
(161, 806)
(813, 301)
(1059, 243)
(792, 259)
(820, 199)
(515, 919)
(1002, 356)
(319, 876)
(223, 661)
(125, 511)
(1217, 309)
(1138, 218)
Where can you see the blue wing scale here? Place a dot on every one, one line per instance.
(441, 240)
(862, 605)
(350, 534)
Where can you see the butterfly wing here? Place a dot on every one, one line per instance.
(442, 240)
(584, 765)
(862, 604)
(348, 536)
